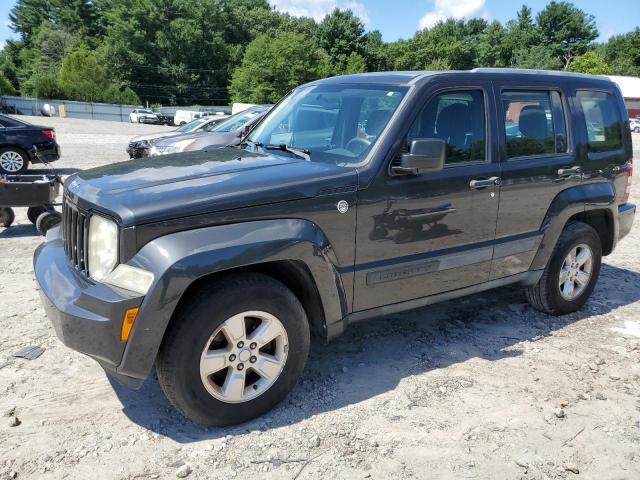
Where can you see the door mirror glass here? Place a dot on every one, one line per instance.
(425, 155)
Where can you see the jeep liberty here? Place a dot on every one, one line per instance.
(355, 197)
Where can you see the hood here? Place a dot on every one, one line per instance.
(154, 189)
(155, 136)
(214, 137)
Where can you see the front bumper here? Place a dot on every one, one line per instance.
(138, 151)
(626, 214)
(86, 316)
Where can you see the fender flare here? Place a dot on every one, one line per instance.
(179, 259)
(569, 202)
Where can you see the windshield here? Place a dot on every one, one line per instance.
(234, 122)
(338, 123)
(187, 127)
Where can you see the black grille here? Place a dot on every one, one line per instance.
(75, 227)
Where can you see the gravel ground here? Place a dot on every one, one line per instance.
(484, 387)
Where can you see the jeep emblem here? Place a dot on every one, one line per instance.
(343, 206)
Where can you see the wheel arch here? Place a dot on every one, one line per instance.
(295, 252)
(591, 203)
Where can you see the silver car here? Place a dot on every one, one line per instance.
(220, 135)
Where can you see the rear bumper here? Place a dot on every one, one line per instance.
(47, 152)
(626, 214)
(86, 316)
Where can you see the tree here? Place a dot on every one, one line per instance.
(566, 31)
(6, 88)
(340, 33)
(83, 76)
(272, 66)
(590, 62)
(622, 52)
(80, 16)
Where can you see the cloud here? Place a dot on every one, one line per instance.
(318, 9)
(443, 9)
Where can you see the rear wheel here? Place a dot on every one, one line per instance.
(13, 161)
(7, 216)
(234, 350)
(571, 273)
(34, 212)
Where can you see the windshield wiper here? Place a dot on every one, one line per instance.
(299, 152)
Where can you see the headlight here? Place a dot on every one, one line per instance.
(176, 147)
(103, 247)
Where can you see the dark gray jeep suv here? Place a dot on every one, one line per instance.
(354, 197)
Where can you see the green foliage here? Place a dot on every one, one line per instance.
(340, 34)
(83, 76)
(566, 31)
(590, 62)
(6, 88)
(622, 53)
(272, 66)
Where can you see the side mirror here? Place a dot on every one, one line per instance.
(425, 155)
(244, 131)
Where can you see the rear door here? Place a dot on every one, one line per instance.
(608, 143)
(425, 234)
(538, 161)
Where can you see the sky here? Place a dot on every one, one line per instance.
(401, 18)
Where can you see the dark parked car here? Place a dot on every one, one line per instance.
(354, 197)
(214, 135)
(22, 143)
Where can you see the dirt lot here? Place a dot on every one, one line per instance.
(483, 387)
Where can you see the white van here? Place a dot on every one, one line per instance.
(182, 117)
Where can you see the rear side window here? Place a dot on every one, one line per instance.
(458, 118)
(603, 120)
(9, 122)
(534, 123)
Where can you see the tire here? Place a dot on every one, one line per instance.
(546, 295)
(13, 161)
(34, 212)
(190, 337)
(47, 220)
(6, 216)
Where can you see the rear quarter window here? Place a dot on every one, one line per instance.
(603, 120)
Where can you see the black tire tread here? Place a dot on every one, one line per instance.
(165, 361)
(538, 295)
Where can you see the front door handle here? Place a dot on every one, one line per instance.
(484, 183)
(567, 172)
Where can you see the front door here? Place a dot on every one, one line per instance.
(426, 234)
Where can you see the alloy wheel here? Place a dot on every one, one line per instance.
(575, 273)
(244, 357)
(11, 161)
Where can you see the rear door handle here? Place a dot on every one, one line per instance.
(567, 172)
(484, 183)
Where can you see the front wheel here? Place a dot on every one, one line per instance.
(234, 350)
(571, 273)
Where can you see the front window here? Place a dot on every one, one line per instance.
(192, 125)
(339, 123)
(234, 122)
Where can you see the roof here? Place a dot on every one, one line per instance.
(411, 77)
(630, 86)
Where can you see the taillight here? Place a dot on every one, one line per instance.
(627, 188)
(50, 133)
